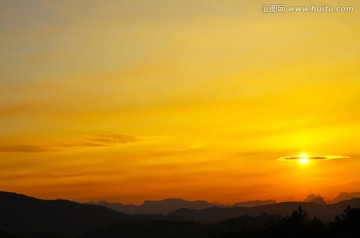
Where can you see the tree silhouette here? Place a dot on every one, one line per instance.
(347, 224)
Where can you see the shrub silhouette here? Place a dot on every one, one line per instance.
(347, 224)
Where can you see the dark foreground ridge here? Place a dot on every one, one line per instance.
(20, 214)
(26, 217)
(297, 225)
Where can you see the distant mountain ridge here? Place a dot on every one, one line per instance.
(172, 204)
(315, 199)
(156, 207)
(254, 203)
(169, 205)
(343, 196)
(216, 214)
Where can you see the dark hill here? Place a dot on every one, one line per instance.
(216, 214)
(148, 229)
(20, 214)
(173, 229)
(254, 203)
(297, 225)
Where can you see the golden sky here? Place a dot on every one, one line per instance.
(134, 99)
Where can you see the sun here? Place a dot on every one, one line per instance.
(304, 159)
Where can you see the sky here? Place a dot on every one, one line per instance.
(135, 100)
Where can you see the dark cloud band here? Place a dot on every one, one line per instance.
(325, 157)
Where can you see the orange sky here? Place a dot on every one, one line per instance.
(133, 100)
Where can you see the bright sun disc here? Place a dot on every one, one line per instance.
(303, 158)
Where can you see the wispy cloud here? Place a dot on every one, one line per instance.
(112, 139)
(25, 148)
(90, 141)
(324, 157)
(19, 109)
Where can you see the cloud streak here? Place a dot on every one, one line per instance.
(25, 149)
(92, 141)
(113, 139)
(324, 157)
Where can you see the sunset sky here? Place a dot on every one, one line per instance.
(130, 100)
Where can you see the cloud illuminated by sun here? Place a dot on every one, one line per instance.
(304, 158)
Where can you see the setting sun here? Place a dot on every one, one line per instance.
(304, 159)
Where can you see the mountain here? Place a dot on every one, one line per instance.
(345, 196)
(172, 204)
(216, 214)
(318, 200)
(6, 235)
(156, 207)
(25, 217)
(20, 214)
(148, 229)
(125, 208)
(315, 199)
(254, 203)
(178, 229)
(298, 224)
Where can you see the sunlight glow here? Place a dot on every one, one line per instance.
(304, 159)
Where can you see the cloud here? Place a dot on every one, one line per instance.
(325, 157)
(111, 139)
(90, 144)
(92, 141)
(19, 109)
(25, 148)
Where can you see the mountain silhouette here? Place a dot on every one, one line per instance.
(20, 214)
(216, 214)
(318, 200)
(168, 205)
(296, 225)
(254, 203)
(26, 217)
(315, 199)
(343, 196)
(156, 207)
(148, 229)
(178, 229)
